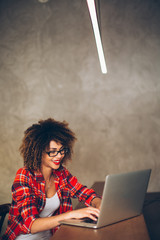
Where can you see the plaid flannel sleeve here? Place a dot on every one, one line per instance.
(80, 191)
(25, 201)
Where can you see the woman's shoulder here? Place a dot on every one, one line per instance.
(23, 174)
(23, 171)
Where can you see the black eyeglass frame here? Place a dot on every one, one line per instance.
(66, 150)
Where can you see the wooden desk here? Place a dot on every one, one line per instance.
(132, 229)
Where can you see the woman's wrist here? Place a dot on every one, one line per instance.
(96, 202)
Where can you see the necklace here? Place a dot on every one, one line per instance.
(48, 184)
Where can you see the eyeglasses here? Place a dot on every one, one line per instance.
(55, 153)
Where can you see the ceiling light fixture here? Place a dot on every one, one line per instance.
(42, 1)
(94, 20)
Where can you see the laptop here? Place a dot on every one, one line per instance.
(123, 198)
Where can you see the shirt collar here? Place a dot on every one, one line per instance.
(57, 173)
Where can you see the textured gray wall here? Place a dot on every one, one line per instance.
(49, 68)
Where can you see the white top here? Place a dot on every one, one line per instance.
(52, 204)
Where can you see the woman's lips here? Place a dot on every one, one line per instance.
(56, 162)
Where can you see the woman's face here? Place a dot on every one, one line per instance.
(52, 156)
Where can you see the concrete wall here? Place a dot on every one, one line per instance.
(49, 68)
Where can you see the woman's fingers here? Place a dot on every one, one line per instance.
(93, 213)
(89, 212)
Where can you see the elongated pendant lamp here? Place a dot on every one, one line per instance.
(94, 19)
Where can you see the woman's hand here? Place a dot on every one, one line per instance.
(96, 202)
(89, 212)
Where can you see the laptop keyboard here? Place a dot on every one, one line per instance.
(88, 220)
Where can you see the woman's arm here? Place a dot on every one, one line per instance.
(43, 224)
(87, 195)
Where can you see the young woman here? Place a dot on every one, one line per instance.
(43, 188)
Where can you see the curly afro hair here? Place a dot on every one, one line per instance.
(37, 138)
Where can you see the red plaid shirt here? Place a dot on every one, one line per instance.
(28, 198)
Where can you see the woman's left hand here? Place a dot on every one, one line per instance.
(96, 202)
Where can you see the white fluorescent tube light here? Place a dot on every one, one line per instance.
(93, 15)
